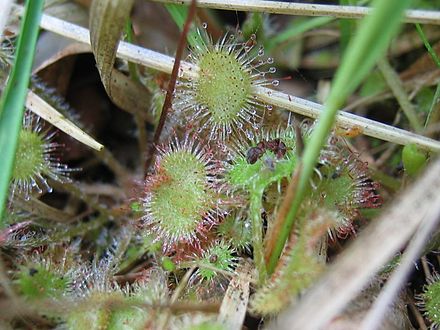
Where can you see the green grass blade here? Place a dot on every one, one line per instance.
(295, 29)
(13, 98)
(364, 50)
(434, 109)
(346, 26)
(396, 86)
(433, 113)
(427, 45)
(179, 13)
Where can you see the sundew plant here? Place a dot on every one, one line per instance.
(224, 165)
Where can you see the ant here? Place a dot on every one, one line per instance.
(277, 146)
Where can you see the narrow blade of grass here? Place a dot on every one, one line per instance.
(295, 29)
(433, 114)
(369, 44)
(434, 109)
(179, 14)
(396, 86)
(427, 45)
(346, 26)
(12, 102)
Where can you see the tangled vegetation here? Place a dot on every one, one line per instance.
(214, 201)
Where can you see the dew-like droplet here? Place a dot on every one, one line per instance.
(272, 70)
(261, 51)
(269, 60)
(275, 83)
(204, 25)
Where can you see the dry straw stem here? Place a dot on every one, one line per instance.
(396, 281)
(234, 305)
(43, 109)
(303, 9)
(164, 63)
(376, 245)
(4, 14)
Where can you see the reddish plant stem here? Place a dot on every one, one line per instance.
(167, 105)
(272, 237)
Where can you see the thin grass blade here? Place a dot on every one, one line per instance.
(365, 49)
(14, 96)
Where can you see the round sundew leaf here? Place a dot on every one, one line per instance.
(128, 318)
(224, 85)
(431, 298)
(39, 283)
(218, 256)
(29, 156)
(178, 208)
(338, 186)
(180, 196)
(236, 231)
(183, 166)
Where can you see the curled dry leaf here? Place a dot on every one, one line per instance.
(107, 20)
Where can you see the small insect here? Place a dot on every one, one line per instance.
(350, 132)
(32, 271)
(255, 153)
(277, 146)
(213, 259)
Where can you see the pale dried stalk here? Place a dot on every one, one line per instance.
(400, 274)
(4, 14)
(305, 9)
(376, 245)
(164, 63)
(235, 302)
(43, 109)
